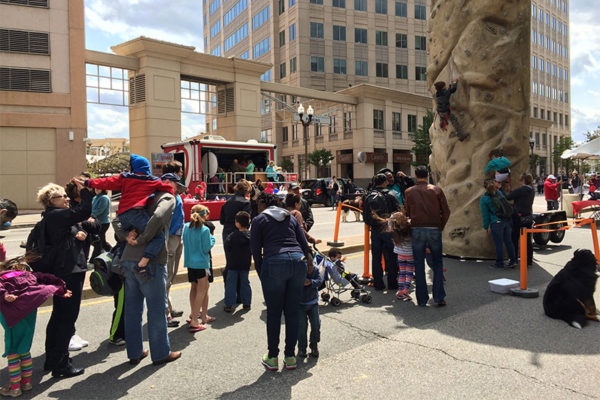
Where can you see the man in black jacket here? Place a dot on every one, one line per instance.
(381, 202)
(305, 209)
(522, 217)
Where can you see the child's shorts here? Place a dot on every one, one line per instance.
(502, 177)
(198, 273)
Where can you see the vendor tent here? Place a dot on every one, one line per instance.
(587, 151)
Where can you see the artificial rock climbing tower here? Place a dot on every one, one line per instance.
(485, 45)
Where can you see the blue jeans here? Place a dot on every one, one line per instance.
(551, 205)
(154, 291)
(309, 313)
(138, 219)
(282, 278)
(428, 238)
(502, 234)
(382, 244)
(233, 276)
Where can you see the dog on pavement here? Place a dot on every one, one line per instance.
(570, 294)
(346, 210)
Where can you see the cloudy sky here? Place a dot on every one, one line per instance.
(113, 22)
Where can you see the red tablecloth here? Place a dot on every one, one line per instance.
(580, 205)
(214, 207)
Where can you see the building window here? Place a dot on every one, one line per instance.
(292, 32)
(294, 132)
(381, 38)
(542, 113)
(401, 40)
(281, 70)
(236, 37)
(261, 48)
(420, 12)
(266, 76)
(281, 6)
(216, 51)
(566, 120)
(360, 35)
(339, 66)
(421, 73)
(24, 41)
(284, 134)
(378, 120)
(293, 65)
(317, 2)
(396, 122)
(292, 3)
(216, 28)
(347, 122)
(401, 9)
(339, 3)
(381, 70)
(537, 140)
(401, 71)
(281, 38)
(361, 68)
(234, 11)
(260, 18)
(316, 30)
(360, 5)
(214, 6)
(245, 55)
(535, 112)
(412, 123)
(339, 33)
(317, 64)
(381, 6)
(31, 3)
(318, 130)
(420, 43)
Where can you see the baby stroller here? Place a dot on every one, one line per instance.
(336, 281)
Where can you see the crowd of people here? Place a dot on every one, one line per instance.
(406, 218)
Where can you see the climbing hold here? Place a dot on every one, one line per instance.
(467, 52)
(483, 55)
(489, 97)
(445, 34)
(452, 161)
(469, 185)
(467, 212)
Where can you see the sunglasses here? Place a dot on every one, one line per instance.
(60, 196)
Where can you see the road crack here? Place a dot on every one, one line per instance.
(367, 333)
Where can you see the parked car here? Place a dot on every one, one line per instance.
(316, 191)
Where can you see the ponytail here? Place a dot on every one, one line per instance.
(199, 216)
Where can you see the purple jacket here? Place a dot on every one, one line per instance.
(31, 289)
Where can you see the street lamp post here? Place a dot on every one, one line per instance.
(306, 119)
(531, 144)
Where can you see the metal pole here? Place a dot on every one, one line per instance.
(305, 150)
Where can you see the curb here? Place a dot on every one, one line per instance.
(181, 276)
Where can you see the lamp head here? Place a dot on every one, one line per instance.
(301, 109)
(310, 110)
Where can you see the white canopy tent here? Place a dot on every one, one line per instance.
(587, 151)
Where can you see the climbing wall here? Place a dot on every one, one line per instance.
(484, 44)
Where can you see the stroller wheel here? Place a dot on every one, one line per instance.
(366, 298)
(355, 293)
(325, 296)
(335, 301)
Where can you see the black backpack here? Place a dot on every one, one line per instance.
(37, 247)
(502, 207)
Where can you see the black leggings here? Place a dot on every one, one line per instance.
(62, 322)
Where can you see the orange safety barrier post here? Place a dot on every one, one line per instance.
(523, 290)
(366, 273)
(336, 232)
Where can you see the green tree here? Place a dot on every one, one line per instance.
(564, 143)
(320, 159)
(110, 165)
(287, 165)
(589, 136)
(422, 142)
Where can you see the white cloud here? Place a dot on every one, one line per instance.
(107, 121)
(178, 22)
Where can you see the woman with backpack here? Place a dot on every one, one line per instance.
(496, 213)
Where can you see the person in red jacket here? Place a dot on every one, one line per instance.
(551, 192)
(136, 188)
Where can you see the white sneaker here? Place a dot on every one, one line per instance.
(74, 345)
(83, 343)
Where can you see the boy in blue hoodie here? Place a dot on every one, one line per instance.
(309, 310)
(136, 188)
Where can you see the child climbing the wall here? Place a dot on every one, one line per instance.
(499, 164)
(442, 98)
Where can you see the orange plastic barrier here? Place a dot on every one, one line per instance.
(366, 273)
(576, 223)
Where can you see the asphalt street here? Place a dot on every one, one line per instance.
(482, 345)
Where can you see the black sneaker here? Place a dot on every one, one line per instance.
(228, 309)
(176, 314)
(247, 306)
(171, 323)
(314, 351)
(302, 353)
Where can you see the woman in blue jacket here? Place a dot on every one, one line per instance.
(499, 225)
(197, 242)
